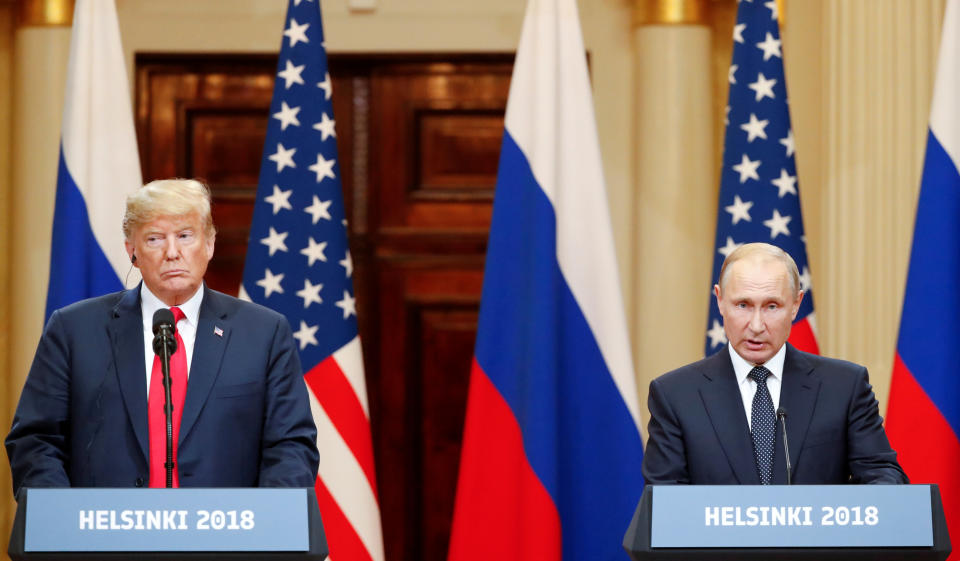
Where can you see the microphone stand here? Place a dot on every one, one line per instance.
(782, 416)
(168, 405)
(165, 345)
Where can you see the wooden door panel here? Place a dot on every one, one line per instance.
(428, 327)
(444, 123)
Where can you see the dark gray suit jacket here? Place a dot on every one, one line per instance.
(698, 431)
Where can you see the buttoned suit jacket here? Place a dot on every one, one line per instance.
(82, 417)
(698, 431)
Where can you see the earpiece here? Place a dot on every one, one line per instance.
(133, 258)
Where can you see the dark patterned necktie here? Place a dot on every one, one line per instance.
(762, 425)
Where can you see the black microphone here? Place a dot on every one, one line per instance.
(163, 332)
(164, 345)
(782, 417)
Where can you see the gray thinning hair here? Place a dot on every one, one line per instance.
(762, 250)
(168, 197)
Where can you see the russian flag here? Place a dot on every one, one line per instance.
(99, 163)
(923, 416)
(550, 466)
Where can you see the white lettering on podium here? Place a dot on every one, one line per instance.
(764, 518)
(727, 515)
(107, 519)
(778, 516)
(86, 519)
(153, 519)
(757, 516)
(794, 516)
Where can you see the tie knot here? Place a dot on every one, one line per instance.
(177, 315)
(760, 374)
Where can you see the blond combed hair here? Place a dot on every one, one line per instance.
(168, 197)
(762, 251)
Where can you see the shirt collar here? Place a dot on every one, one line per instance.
(149, 304)
(742, 368)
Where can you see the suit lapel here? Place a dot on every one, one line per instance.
(724, 405)
(126, 336)
(213, 332)
(798, 396)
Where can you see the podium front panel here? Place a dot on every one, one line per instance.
(800, 516)
(166, 520)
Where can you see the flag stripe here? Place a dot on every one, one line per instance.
(347, 484)
(339, 531)
(944, 111)
(528, 273)
(330, 387)
(512, 517)
(932, 298)
(99, 140)
(538, 94)
(99, 163)
(803, 337)
(350, 359)
(930, 455)
(561, 360)
(78, 267)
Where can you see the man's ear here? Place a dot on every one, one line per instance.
(131, 252)
(796, 304)
(210, 241)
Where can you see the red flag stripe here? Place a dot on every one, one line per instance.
(335, 394)
(503, 512)
(341, 537)
(346, 483)
(927, 447)
(803, 337)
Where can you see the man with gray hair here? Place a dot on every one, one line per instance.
(716, 421)
(91, 411)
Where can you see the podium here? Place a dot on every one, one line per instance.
(167, 524)
(789, 523)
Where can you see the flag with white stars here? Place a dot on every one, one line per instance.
(759, 195)
(298, 263)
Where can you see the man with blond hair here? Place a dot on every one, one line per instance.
(91, 412)
(719, 421)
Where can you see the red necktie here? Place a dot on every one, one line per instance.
(155, 403)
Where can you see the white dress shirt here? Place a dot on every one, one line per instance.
(187, 327)
(748, 386)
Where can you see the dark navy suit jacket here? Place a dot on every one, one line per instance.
(698, 432)
(82, 417)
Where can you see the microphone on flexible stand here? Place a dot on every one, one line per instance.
(164, 345)
(782, 417)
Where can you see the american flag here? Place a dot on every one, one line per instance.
(298, 263)
(759, 195)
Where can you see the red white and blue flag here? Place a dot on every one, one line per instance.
(759, 196)
(550, 466)
(99, 163)
(298, 263)
(923, 416)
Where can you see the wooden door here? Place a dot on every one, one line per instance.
(419, 140)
